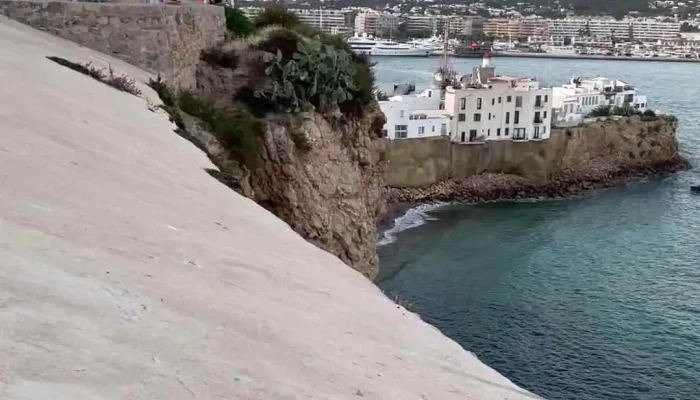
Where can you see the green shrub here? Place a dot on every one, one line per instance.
(237, 131)
(161, 88)
(601, 111)
(219, 58)
(318, 77)
(284, 40)
(120, 82)
(626, 111)
(669, 118)
(276, 15)
(649, 115)
(237, 24)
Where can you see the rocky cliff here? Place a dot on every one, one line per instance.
(597, 154)
(322, 173)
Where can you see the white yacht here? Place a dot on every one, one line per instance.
(561, 50)
(381, 47)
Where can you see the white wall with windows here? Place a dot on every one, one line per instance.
(415, 116)
(500, 112)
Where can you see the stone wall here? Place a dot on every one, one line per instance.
(422, 162)
(158, 38)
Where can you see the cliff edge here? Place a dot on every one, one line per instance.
(128, 272)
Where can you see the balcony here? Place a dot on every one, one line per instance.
(537, 120)
(539, 104)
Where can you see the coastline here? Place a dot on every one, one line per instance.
(585, 57)
(494, 187)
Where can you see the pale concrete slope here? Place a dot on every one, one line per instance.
(127, 272)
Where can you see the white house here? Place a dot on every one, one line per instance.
(575, 100)
(482, 106)
(415, 115)
(492, 107)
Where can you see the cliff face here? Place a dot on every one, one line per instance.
(325, 178)
(573, 159)
(323, 174)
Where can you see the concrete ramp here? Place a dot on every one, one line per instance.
(127, 272)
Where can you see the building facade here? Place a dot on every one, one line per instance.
(329, 21)
(608, 28)
(375, 23)
(415, 116)
(574, 101)
(516, 28)
(498, 108)
(481, 108)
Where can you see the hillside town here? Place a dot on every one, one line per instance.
(419, 31)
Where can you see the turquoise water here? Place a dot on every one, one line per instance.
(596, 297)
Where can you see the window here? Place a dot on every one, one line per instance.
(443, 129)
(536, 133)
(402, 113)
(477, 117)
(519, 134)
(401, 131)
(462, 117)
(507, 118)
(462, 104)
(472, 135)
(546, 97)
(499, 100)
(518, 101)
(430, 93)
(433, 128)
(506, 131)
(544, 115)
(509, 99)
(538, 120)
(478, 103)
(493, 102)
(421, 130)
(538, 101)
(489, 116)
(516, 117)
(488, 132)
(498, 131)
(464, 136)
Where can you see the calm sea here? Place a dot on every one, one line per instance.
(596, 297)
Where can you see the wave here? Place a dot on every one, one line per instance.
(412, 218)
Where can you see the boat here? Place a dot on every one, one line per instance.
(561, 50)
(380, 47)
(695, 189)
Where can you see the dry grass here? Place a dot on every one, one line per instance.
(119, 82)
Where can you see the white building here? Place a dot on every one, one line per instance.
(375, 23)
(492, 107)
(628, 29)
(483, 107)
(329, 21)
(574, 101)
(415, 116)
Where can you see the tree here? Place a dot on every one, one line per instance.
(567, 41)
(276, 15)
(237, 23)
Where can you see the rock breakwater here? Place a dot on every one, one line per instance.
(487, 187)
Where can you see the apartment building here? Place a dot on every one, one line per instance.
(375, 23)
(608, 28)
(516, 28)
(329, 21)
(649, 30)
(492, 107)
(457, 25)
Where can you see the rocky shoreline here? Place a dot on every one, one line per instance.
(489, 187)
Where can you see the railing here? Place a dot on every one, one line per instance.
(537, 120)
(539, 105)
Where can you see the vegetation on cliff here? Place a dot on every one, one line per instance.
(119, 82)
(287, 114)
